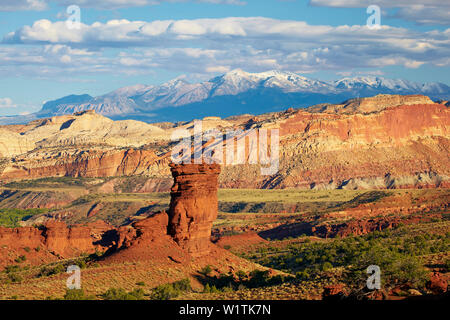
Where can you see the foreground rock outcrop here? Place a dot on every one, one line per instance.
(186, 229)
(182, 233)
(193, 206)
(437, 284)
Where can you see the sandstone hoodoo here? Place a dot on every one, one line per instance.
(193, 206)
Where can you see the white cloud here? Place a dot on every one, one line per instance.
(381, 3)
(50, 60)
(426, 15)
(6, 103)
(433, 12)
(218, 69)
(203, 46)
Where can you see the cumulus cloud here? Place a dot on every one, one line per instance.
(6, 103)
(218, 32)
(433, 12)
(205, 46)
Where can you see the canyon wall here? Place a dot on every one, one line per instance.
(370, 143)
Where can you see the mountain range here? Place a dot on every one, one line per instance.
(236, 92)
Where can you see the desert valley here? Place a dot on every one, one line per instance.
(363, 182)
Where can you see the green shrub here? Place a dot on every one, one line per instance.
(206, 270)
(327, 266)
(165, 292)
(121, 294)
(12, 268)
(224, 280)
(447, 265)
(11, 217)
(14, 277)
(395, 251)
(81, 263)
(210, 289)
(171, 290)
(182, 285)
(258, 278)
(52, 270)
(20, 259)
(242, 276)
(395, 267)
(76, 294)
(302, 275)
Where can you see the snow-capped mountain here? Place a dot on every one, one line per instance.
(238, 81)
(235, 92)
(395, 85)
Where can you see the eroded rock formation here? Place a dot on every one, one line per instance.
(185, 231)
(193, 206)
(54, 237)
(364, 226)
(67, 241)
(334, 292)
(151, 229)
(369, 143)
(437, 284)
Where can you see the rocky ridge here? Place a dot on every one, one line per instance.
(379, 142)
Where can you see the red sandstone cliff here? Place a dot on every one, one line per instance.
(48, 243)
(89, 163)
(386, 146)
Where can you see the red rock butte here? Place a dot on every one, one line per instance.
(183, 233)
(193, 206)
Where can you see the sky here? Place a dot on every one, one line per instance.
(46, 54)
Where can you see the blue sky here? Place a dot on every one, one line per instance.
(123, 43)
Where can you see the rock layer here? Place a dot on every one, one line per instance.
(54, 237)
(67, 241)
(370, 143)
(193, 206)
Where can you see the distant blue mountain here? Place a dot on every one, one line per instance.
(236, 92)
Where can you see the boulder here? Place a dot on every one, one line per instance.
(334, 292)
(437, 284)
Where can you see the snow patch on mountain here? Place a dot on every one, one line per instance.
(252, 92)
